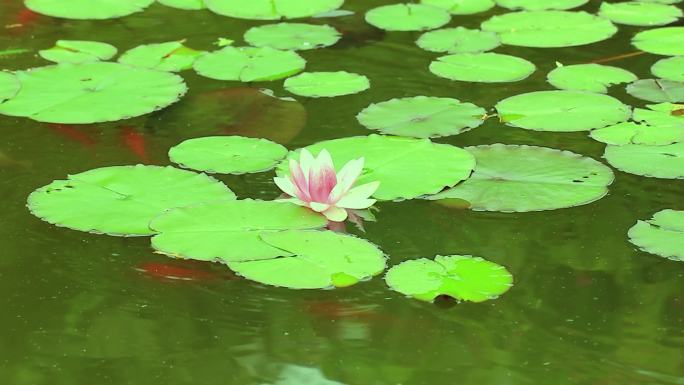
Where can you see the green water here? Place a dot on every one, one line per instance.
(586, 308)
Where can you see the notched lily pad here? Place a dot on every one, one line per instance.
(657, 90)
(78, 51)
(407, 17)
(294, 36)
(640, 13)
(171, 56)
(485, 67)
(541, 5)
(9, 85)
(667, 41)
(671, 69)
(458, 40)
(461, 7)
(662, 235)
(87, 9)
(327, 84)
(248, 64)
(272, 9)
(588, 77)
(665, 162)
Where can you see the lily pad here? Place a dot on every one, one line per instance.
(461, 7)
(327, 84)
(9, 85)
(563, 111)
(657, 90)
(272, 9)
(635, 133)
(318, 260)
(662, 235)
(247, 64)
(295, 36)
(91, 93)
(77, 51)
(589, 77)
(190, 5)
(87, 9)
(541, 5)
(122, 200)
(666, 162)
(228, 154)
(640, 13)
(229, 231)
(422, 117)
(463, 277)
(485, 67)
(550, 29)
(510, 178)
(671, 69)
(667, 41)
(405, 167)
(171, 56)
(407, 17)
(458, 40)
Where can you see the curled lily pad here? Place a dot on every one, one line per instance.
(671, 69)
(122, 200)
(190, 5)
(635, 133)
(407, 17)
(640, 13)
(662, 235)
(562, 111)
(484, 67)
(657, 90)
(461, 7)
(511, 178)
(661, 41)
(295, 36)
(317, 260)
(9, 85)
(171, 56)
(549, 29)
(77, 51)
(588, 77)
(272, 9)
(249, 64)
(541, 5)
(87, 9)
(405, 167)
(665, 162)
(91, 93)
(458, 40)
(463, 277)
(228, 154)
(327, 84)
(422, 117)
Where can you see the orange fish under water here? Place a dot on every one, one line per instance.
(135, 141)
(73, 133)
(181, 271)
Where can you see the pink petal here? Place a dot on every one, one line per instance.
(358, 197)
(306, 162)
(346, 179)
(286, 185)
(335, 214)
(299, 181)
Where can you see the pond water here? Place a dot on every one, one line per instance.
(75, 308)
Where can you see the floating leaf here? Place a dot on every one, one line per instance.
(318, 260)
(661, 41)
(511, 178)
(249, 64)
(589, 77)
(663, 114)
(662, 235)
(228, 154)
(458, 40)
(665, 162)
(422, 117)
(634, 133)
(671, 69)
(9, 85)
(76, 51)
(122, 200)
(171, 56)
(463, 277)
(461, 7)
(541, 5)
(661, 1)
(657, 90)
(405, 167)
(562, 111)
(327, 84)
(407, 17)
(229, 231)
(640, 13)
(91, 93)
(87, 9)
(190, 5)
(295, 36)
(549, 29)
(272, 9)
(485, 67)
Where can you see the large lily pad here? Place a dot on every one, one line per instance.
(640, 13)
(463, 277)
(458, 40)
(170, 56)
(406, 168)
(541, 5)
(295, 36)
(662, 235)
(9, 85)
(671, 69)
(485, 67)
(422, 117)
(657, 90)
(665, 162)
(512, 178)
(249, 64)
(229, 231)
(92, 92)
(318, 260)
(228, 154)
(327, 84)
(407, 17)
(548, 29)
(122, 200)
(190, 5)
(87, 9)
(635, 133)
(661, 41)
(588, 77)
(78, 51)
(272, 9)
(461, 7)
(562, 111)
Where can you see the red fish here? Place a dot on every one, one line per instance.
(135, 141)
(181, 271)
(24, 18)
(73, 133)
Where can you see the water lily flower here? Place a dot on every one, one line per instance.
(313, 183)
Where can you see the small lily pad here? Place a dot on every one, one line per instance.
(564, 111)
(9, 85)
(640, 13)
(318, 260)
(458, 40)
(484, 67)
(77, 51)
(662, 235)
(247, 64)
(589, 77)
(671, 69)
(327, 84)
(407, 17)
(294, 36)
(272, 9)
(463, 277)
(122, 200)
(510, 178)
(657, 90)
(666, 162)
(171, 56)
(635, 133)
(422, 117)
(189, 5)
(228, 154)
(87, 9)
(541, 5)
(667, 41)
(461, 7)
